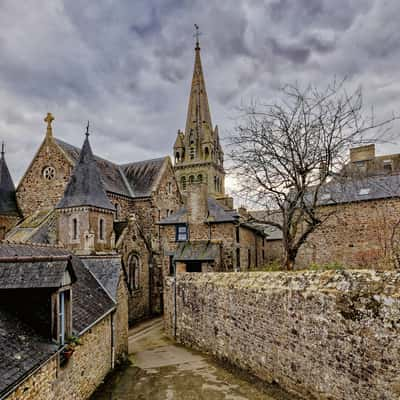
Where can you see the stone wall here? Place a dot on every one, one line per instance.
(34, 191)
(358, 234)
(121, 319)
(324, 335)
(78, 379)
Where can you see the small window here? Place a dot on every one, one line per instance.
(248, 258)
(200, 178)
(191, 179)
(134, 272)
(101, 229)
(177, 157)
(364, 191)
(181, 233)
(387, 165)
(192, 152)
(116, 211)
(207, 153)
(74, 229)
(183, 182)
(238, 259)
(49, 173)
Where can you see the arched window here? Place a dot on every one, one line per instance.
(183, 182)
(207, 153)
(177, 157)
(133, 272)
(191, 179)
(215, 182)
(74, 229)
(200, 178)
(101, 229)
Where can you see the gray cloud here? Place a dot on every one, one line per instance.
(127, 66)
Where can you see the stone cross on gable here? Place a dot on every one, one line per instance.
(49, 119)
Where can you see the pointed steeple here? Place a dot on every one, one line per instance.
(85, 187)
(8, 201)
(198, 121)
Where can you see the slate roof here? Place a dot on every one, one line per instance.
(143, 175)
(8, 201)
(34, 275)
(197, 251)
(348, 190)
(217, 214)
(132, 180)
(107, 271)
(85, 187)
(21, 349)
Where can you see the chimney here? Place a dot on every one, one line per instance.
(362, 153)
(196, 202)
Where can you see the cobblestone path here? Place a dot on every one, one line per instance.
(161, 370)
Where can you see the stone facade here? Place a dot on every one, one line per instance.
(79, 378)
(35, 191)
(357, 234)
(326, 335)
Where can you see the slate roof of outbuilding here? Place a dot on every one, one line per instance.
(35, 274)
(85, 186)
(216, 214)
(197, 251)
(21, 349)
(107, 271)
(132, 180)
(8, 201)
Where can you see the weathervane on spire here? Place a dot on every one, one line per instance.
(87, 129)
(197, 34)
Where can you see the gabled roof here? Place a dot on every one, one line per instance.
(107, 270)
(216, 214)
(85, 187)
(137, 179)
(143, 175)
(8, 201)
(36, 274)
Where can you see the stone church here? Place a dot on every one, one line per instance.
(152, 213)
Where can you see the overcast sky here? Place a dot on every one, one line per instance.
(127, 65)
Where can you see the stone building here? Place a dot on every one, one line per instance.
(9, 213)
(73, 330)
(206, 234)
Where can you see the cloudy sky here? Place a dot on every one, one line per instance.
(126, 65)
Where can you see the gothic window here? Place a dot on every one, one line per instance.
(101, 229)
(191, 179)
(169, 188)
(74, 229)
(183, 182)
(49, 173)
(200, 178)
(133, 272)
(207, 153)
(177, 157)
(215, 182)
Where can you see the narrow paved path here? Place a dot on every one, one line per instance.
(161, 370)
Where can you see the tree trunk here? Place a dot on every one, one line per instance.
(290, 258)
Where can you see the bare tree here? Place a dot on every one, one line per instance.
(284, 153)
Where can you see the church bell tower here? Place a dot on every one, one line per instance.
(197, 151)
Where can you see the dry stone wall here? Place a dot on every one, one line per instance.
(324, 335)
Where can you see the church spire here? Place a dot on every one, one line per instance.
(198, 121)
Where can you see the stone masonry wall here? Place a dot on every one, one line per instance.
(322, 335)
(358, 234)
(78, 379)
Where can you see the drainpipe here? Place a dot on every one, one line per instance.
(175, 316)
(112, 341)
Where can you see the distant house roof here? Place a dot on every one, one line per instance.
(133, 180)
(216, 214)
(85, 186)
(8, 201)
(197, 251)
